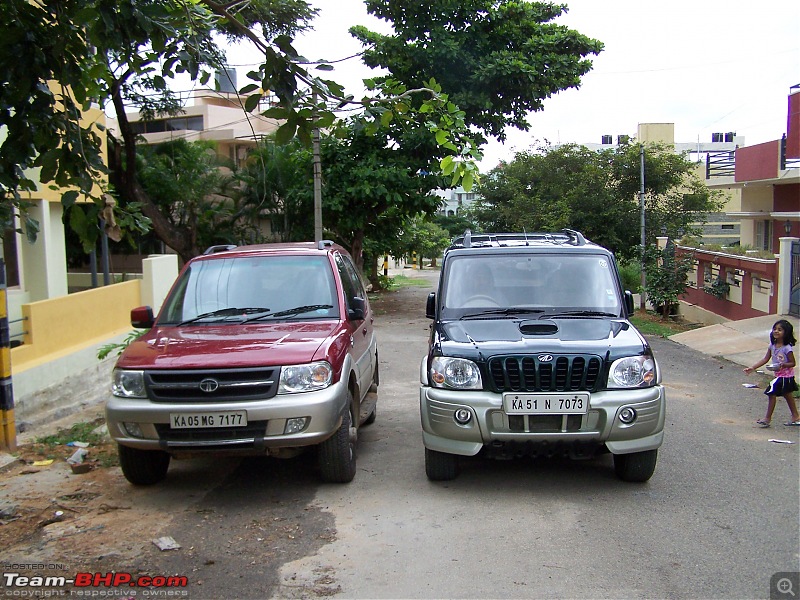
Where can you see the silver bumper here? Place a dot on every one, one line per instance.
(490, 424)
(266, 422)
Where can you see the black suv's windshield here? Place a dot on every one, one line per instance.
(214, 291)
(568, 284)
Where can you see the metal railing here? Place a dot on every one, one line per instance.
(720, 164)
(787, 163)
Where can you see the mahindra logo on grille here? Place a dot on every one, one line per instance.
(545, 358)
(209, 385)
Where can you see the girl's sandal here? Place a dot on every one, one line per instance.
(793, 423)
(762, 423)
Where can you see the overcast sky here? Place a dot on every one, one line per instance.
(707, 66)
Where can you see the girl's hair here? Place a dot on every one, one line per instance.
(788, 333)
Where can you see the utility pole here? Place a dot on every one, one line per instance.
(317, 182)
(8, 430)
(642, 296)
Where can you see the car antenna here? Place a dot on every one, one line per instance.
(525, 233)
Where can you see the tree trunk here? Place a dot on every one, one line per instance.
(357, 249)
(131, 189)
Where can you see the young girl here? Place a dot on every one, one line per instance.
(780, 352)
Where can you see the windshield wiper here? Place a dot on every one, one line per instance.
(225, 312)
(291, 311)
(502, 311)
(583, 313)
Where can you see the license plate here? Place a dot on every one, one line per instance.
(236, 418)
(565, 403)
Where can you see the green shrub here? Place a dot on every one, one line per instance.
(631, 274)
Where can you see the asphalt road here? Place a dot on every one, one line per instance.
(717, 520)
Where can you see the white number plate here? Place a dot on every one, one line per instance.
(559, 403)
(237, 418)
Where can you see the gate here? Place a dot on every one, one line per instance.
(794, 289)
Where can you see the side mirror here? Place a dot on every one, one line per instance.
(142, 317)
(356, 312)
(430, 306)
(629, 302)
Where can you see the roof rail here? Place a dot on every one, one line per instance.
(219, 248)
(484, 240)
(577, 235)
(323, 244)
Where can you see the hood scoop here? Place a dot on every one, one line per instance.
(538, 328)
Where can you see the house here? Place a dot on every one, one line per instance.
(720, 228)
(767, 178)
(454, 200)
(216, 115)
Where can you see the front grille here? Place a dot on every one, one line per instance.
(529, 374)
(255, 430)
(212, 385)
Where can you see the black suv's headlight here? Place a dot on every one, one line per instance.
(128, 384)
(632, 372)
(457, 373)
(305, 378)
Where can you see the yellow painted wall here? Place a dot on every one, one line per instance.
(656, 132)
(59, 326)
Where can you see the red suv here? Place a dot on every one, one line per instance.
(257, 350)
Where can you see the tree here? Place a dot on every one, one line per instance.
(497, 60)
(596, 193)
(57, 58)
(666, 277)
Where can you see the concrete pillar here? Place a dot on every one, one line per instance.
(45, 261)
(159, 272)
(785, 274)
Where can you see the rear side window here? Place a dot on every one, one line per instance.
(273, 283)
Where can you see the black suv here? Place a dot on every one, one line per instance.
(531, 352)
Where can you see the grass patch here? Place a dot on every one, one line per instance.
(79, 432)
(651, 323)
(403, 281)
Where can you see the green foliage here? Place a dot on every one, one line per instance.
(107, 349)
(496, 60)
(630, 271)
(666, 277)
(457, 224)
(719, 288)
(595, 193)
(83, 431)
(425, 238)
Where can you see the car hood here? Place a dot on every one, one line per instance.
(227, 346)
(483, 338)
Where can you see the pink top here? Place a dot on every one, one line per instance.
(781, 355)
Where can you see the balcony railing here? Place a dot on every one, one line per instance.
(720, 164)
(787, 163)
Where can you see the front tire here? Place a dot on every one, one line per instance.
(337, 454)
(143, 467)
(440, 466)
(636, 467)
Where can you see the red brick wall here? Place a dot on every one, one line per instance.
(758, 162)
(793, 127)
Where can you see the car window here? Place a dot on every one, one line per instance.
(350, 284)
(548, 281)
(274, 283)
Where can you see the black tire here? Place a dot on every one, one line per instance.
(143, 467)
(440, 466)
(376, 379)
(372, 416)
(337, 454)
(637, 466)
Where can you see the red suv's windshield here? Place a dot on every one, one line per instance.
(251, 284)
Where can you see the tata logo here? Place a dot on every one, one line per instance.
(209, 385)
(542, 358)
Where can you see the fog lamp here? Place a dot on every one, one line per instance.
(295, 425)
(627, 415)
(133, 430)
(462, 416)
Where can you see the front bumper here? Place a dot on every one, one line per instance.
(490, 425)
(266, 422)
